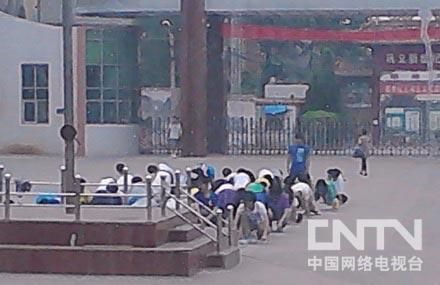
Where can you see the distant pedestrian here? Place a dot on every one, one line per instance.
(298, 160)
(174, 135)
(364, 145)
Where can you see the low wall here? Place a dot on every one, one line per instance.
(88, 233)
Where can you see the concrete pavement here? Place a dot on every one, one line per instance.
(397, 188)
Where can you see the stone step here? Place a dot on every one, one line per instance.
(174, 258)
(183, 233)
(226, 259)
(61, 233)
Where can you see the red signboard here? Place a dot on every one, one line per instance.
(404, 57)
(408, 88)
(395, 35)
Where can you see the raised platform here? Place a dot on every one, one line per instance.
(128, 245)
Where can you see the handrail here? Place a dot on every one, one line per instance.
(189, 208)
(182, 197)
(195, 226)
(27, 205)
(121, 195)
(211, 211)
(218, 240)
(32, 194)
(44, 183)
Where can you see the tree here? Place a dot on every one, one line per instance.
(324, 93)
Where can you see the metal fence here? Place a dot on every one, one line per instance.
(153, 136)
(248, 136)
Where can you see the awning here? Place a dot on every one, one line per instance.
(275, 109)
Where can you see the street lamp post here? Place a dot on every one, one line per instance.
(167, 24)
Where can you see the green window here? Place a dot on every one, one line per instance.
(111, 76)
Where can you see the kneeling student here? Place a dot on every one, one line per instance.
(327, 191)
(305, 195)
(252, 219)
(278, 204)
(338, 179)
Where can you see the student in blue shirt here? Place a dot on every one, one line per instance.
(298, 160)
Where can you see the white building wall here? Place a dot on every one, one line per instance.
(238, 109)
(111, 140)
(24, 42)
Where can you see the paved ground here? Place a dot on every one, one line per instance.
(398, 188)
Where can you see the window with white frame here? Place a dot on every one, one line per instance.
(35, 93)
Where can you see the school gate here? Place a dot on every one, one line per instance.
(248, 136)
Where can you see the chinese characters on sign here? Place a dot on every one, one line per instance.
(408, 88)
(365, 263)
(411, 58)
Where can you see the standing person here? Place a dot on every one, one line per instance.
(364, 143)
(174, 135)
(298, 159)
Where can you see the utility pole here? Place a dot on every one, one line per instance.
(193, 70)
(69, 145)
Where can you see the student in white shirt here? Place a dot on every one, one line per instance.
(161, 170)
(305, 194)
(252, 217)
(241, 180)
(120, 181)
(265, 172)
(104, 182)
(137, 187)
